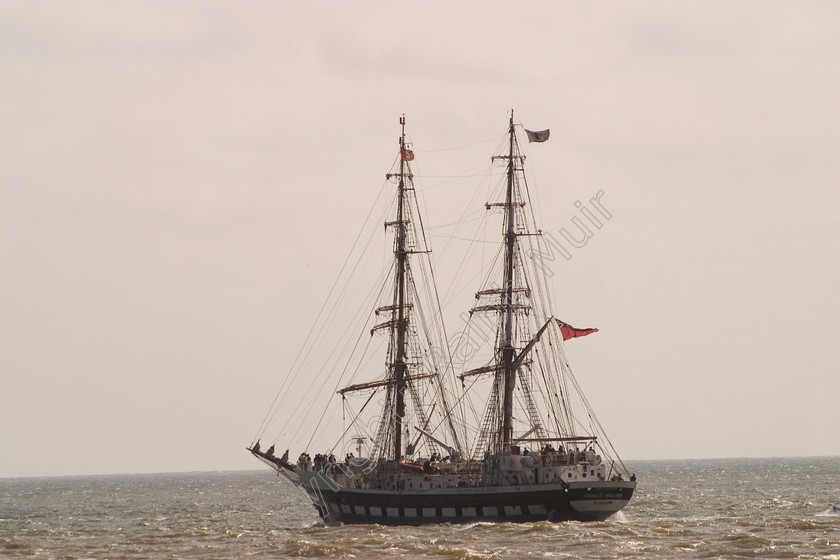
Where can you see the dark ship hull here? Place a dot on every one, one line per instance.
(594, 500)
(574, 501)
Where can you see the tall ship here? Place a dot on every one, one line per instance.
(414, 433)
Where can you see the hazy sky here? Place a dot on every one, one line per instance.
(179, 182)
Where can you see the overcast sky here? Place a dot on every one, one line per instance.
(180, 182)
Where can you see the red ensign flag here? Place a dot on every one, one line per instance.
(571, 332)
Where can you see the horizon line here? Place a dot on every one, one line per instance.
(223, 471)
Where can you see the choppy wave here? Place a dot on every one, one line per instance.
(768, 508)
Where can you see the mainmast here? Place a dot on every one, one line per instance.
(402, 323)
(507, 349)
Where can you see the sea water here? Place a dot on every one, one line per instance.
(723, 508)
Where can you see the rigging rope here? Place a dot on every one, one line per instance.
(460, 147)
(308, 341)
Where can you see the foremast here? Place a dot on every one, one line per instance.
(414, 389)
(399, 329)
